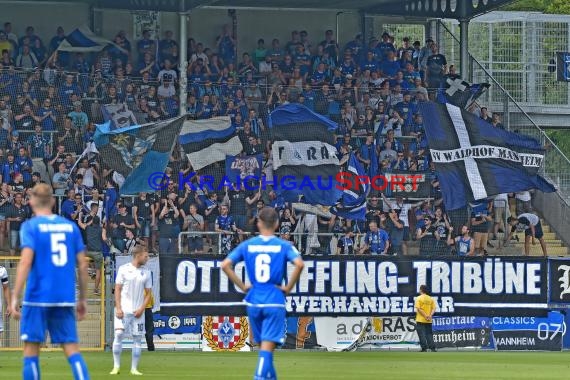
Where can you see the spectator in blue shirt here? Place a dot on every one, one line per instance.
(38, 143)
(390, 66)
(25, 163)
(145, 45)
(68, 88)
(376, 241)
(226, 45)
(9, 168)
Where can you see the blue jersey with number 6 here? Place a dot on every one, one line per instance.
(266, 260)
(56, 242)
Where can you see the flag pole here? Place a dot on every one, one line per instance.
(86, 151)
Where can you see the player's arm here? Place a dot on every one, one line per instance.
(294, 257)
(299, 265)
(82, 265)
(228, 268)
(147, 295)
(26, 260)
(532, 233)
(118, 308)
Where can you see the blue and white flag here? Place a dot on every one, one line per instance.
(353, 202)
(460, 93)
(475, 160)
(137, 152)
(83, 40)
(304, 153)
(208, 141)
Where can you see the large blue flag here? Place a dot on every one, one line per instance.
(137, 152)
(353, 202)
(83, 40)
(475, 160)
(304, 156)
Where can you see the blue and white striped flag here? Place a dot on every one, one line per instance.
(353, 201)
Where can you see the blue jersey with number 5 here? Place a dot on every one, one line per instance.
(56, 242)
(265, 260)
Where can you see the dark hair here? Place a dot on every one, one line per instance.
(511, 219)
(268, 216)
(424, 289)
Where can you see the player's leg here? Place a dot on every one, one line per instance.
(272, 334)
(138, 332)
(118, 344)
(31, 369)
(32, 331)
(63, 330)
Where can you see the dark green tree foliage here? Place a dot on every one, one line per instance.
(546, 6)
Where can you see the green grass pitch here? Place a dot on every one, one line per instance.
(311, 365)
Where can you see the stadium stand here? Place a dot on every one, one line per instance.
(51, 102)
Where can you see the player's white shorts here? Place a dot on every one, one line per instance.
(1, 321)
(132, 326)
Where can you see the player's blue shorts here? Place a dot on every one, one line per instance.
(59, 321)
(267, 323)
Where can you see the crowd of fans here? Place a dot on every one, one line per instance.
(50, 102)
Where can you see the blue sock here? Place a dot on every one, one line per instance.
(31, 369)
(264, 366)
(78, 367)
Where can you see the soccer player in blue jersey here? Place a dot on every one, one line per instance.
(266, 258)
(51, 248)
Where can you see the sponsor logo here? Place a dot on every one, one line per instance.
(225, 333)
(174, 322)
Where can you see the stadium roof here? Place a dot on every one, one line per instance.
(454, 9)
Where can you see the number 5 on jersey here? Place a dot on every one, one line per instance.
(58, 249)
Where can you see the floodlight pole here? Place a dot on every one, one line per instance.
(464, 48)
(183, 62)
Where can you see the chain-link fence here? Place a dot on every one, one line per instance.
(91, 330)
(519, 50)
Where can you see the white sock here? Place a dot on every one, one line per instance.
(117, 348)
(136, 351)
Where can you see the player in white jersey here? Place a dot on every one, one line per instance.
(132, 294)
(6, 293)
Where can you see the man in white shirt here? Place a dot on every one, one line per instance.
(532, 227)
(132, 294)
(523, 203)
(6, 293)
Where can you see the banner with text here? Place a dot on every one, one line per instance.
(371, 285)
(529, 333)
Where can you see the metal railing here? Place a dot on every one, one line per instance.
(556, 166)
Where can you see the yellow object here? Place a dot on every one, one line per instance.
(426, 304)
